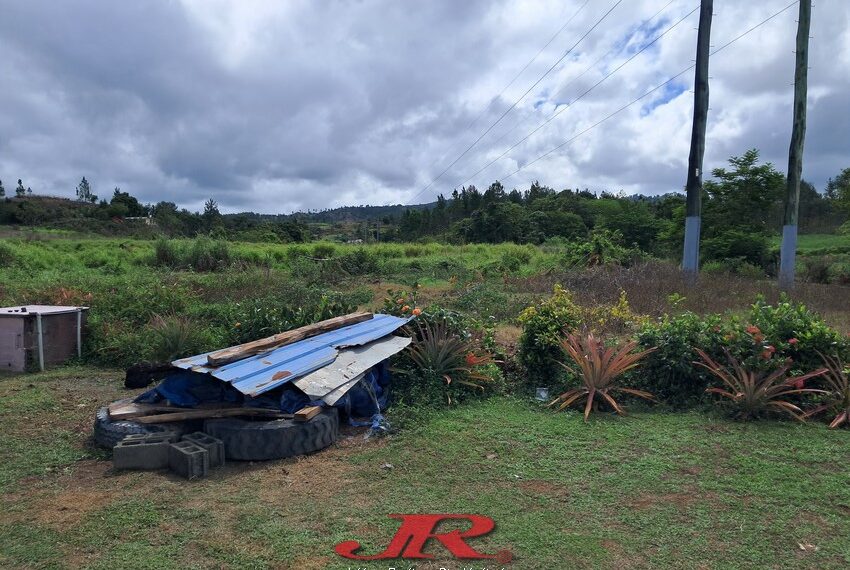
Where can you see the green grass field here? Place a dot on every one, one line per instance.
(653, 490)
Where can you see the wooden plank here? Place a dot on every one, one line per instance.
(305, 414)
(235, 353)
(129, 410)
(211, 413)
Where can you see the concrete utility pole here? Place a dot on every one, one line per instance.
(788, 252)
(693, 188)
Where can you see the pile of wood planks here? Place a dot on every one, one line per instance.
(159, 414)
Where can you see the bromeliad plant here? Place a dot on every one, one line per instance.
(754, 392)
(598, 367)
(837, 386)
(439, 353)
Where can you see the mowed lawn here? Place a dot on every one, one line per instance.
(653, 490)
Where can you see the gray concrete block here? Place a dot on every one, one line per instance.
(188, 459)
(170, 436)
(142, 451)
(214, 447)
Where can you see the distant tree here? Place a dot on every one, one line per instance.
(211, 215)
(132, 205)
(84, 192)
(2, 190)
(746, 196)
(838, 190)
(20, 191)
(29, 191)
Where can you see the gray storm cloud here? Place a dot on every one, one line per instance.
(275, 107)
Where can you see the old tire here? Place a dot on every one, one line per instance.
(108, 433)
(249, 440)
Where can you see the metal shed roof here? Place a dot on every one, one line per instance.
(257, 374)
(24, 310)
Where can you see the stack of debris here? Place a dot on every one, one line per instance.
(265, 399)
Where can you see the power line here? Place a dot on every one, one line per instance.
(574, 101)
(580, 75)
(515, 103)
(521, 71)
(656, 88)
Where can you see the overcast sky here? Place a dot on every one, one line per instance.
(276, 106)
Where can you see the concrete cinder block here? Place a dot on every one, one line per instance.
(170, 436)
(214, 447)
(188, 459)
(142, 451)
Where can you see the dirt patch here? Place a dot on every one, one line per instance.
(650, 500)
(508, 336)
(313, 476)
(65, 501)
(544, 488)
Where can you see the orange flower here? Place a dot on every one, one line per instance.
(400, 301)
(759, 338)
(405, 308)
(417, 311)
(752, 329)
(793, 341)
(768, 352)
(471, 359)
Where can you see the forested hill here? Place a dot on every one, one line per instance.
(343, 214)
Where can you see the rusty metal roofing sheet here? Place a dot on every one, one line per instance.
(260, 373)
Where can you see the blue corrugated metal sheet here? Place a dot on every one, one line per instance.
(257, 374)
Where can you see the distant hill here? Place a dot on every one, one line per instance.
(342, 214)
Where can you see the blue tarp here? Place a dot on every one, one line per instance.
(189, 389)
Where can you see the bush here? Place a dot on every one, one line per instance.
(7, 255)
(165, 253)
(736, 266)
(203, 254)
(174, 337)
(208, 255)
(513, 258)
(262, 317)
(543, 328)
(324, 250)
(737, 244)
(763, 339)
(358, 262)
(603, 248)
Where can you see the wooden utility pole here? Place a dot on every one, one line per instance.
(693, 188)
(788, 251)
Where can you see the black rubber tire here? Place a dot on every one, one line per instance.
(249, 440)
(108, 433)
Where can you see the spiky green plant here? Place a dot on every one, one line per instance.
(598, 367)
(172, 337)
(754, 392)
(837, 386)
(438, 352)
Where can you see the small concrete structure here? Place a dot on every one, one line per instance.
(188, 459)
(214, 447)
(143, 451)
(37, 336)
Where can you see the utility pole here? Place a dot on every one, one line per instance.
(788, 251)
(693, 188)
